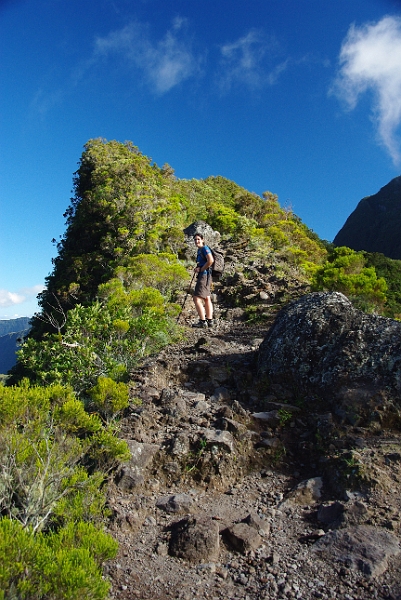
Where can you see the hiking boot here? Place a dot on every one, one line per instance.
(210, 322)
(200, 324)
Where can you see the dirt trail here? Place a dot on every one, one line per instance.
(200, 456)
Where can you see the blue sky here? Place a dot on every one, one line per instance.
(298, 97)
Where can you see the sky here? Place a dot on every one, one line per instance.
(301, 98)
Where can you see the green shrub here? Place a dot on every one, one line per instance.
(160, 271)
(106, 339)
(223, 218)
(108, 397)
(107, 450)
(46, 438)
(345, 272)
(390, 270)
(54, 566)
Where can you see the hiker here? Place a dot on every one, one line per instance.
(202, 299)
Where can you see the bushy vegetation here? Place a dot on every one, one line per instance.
(54, 458)
(126, 210)
(105, 339)
(59, 565)
(345, 271)
(108, 303)
(390, 270)
(110, 298)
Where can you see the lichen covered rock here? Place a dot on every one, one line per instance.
(322, 344)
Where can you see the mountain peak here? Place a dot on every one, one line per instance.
(375, 224)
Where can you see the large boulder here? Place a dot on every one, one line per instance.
(210, 236)
(320, 344)
(360, 548)
(195, 539)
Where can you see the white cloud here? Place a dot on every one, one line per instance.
(243, 62)
(370, 59)
(11, 298)
(43, 102)
(165, 63)
(32, 291)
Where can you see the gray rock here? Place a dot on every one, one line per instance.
(180, 445)
(216, 437)
(356, 513)
(193, 396)
(306, 492)
(242, 537)
(162, 549)
(176, 408)
(269, 442)
(271, 417)
(132, 474)
(202, 406)
(141, 454)
(321, 343)
(173, 468)
(221, 394)
(261, 525)
(329, 513)
(177, 503)
(360, 548)
(195, 539)
(129, 478)
(232, 425)
(211, 237)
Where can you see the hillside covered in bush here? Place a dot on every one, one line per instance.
(112, 300)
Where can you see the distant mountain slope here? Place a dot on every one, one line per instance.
(11, 330)
(14, 325)
(375, 224)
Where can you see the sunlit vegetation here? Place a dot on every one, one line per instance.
(109, 302)
(346, 271)
(55, 457)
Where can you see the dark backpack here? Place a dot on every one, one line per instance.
(218, 265)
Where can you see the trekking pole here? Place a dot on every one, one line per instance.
(185, 299)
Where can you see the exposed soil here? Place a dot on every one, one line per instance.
(194, 436)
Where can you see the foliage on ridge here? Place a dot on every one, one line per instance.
(55, 457)
(109, 302)
(110, 298)
(125, 205)
(346, 271)
(390, 270)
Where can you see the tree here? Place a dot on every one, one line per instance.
(54, 457)
(108, 338)
(345, 272)
(122, 205)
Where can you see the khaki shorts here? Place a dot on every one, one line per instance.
(202, 287)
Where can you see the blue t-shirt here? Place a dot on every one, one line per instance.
(201, 258)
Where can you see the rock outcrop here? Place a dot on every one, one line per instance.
(374, 225)
(320, 344)
(239, 486)
(363, 548)
(210, 236)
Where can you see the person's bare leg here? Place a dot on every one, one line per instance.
(209, 307)
(199, 307)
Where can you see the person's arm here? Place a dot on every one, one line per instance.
(209, 262)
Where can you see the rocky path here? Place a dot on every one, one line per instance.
(225, 496)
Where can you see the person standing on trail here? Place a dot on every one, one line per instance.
(202, 299)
